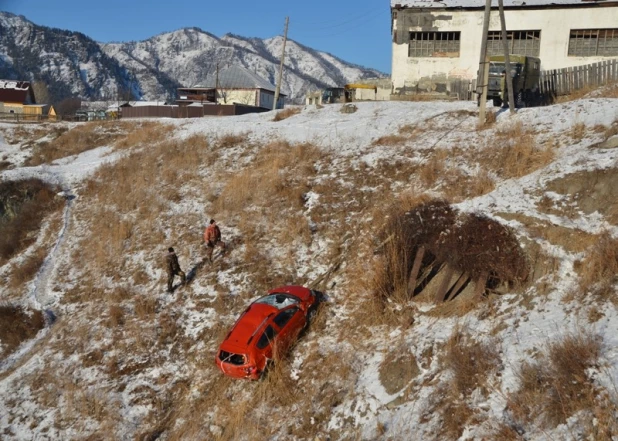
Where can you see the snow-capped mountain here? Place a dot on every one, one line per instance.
(73, 64)
(70, 63)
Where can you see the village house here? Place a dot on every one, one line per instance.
(437, 41)
(17, 98)
(238, 85)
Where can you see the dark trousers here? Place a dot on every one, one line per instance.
(170, 278)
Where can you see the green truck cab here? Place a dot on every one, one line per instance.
(525, 73)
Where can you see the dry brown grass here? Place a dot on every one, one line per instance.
(143, 133)
(574, 95)
(16, 326)
(27, 269)
(556, 386)
(606, 91)
(599, 269)
(458, 186)
(470, 365)
(390, 140)
(231, 140)
(286, 113)
(577, 132)
(433, 168)
(514, 153)
(83, 137)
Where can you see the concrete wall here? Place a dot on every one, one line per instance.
(249, 97)
(428, 73)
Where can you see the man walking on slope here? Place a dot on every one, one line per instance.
(212, 239)
(173, 269)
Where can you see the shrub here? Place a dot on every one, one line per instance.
(599, 269)
(556, 386)
(286, 113)
(17, 325)
(23, 206)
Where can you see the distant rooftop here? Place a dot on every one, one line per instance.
(401, 4)
(236, 77)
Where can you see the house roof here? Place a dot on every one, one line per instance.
(236, 77)
(436, 4)
(12, 91)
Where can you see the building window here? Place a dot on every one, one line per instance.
(593, 42)
(434, 44)
(520, 43)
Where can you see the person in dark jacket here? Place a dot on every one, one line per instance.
(212, 239)
(173, 269)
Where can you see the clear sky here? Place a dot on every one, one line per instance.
(356, 31)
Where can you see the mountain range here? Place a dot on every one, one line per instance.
(73, 65)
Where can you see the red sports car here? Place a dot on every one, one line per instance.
(267, 327)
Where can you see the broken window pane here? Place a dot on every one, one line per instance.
(593, 42)
(520, 43)
(434, 44)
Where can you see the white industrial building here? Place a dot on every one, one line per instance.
(436, 41)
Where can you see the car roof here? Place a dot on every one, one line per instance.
(248, 324)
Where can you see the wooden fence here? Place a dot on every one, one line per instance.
(565, 81)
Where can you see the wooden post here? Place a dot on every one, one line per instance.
(415, 269)
(446, 283)
(460, 283)
(507, 59)
(481, 282)
(483, 64)
(279, 79)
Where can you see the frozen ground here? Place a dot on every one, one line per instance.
(349, 139)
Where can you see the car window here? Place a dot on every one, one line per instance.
(267, 337)
(279, 301)
(284, 317)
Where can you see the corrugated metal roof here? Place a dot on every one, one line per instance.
(236, 77)
(399, 4)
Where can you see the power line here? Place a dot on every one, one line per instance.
(342, 31)
(337, 22)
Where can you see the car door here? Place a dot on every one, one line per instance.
(265, 344)
(290, 321)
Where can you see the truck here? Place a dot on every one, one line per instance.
(345, 94)
(525, 74)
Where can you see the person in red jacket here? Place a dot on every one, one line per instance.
(212, 239)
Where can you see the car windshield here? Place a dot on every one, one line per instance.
(279, 301)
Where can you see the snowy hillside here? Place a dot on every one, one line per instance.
(73, 64)
(189, 55)
(69, 63)
(317, 199)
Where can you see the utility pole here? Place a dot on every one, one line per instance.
(507, 59)
(483, 65)
(285, 39)
(217, 84)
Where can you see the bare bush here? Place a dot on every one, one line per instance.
(599, 269)
(556, 386)
(231, 140)
(470, 243)
(286, 113)
(470, 362)
(515, 153)
(23, 206)
(390, 140)
(17, 325)
(470, 365)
